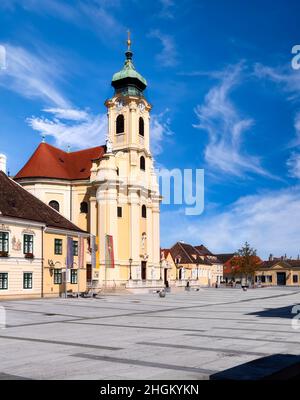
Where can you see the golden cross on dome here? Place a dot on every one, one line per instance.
(128, 39)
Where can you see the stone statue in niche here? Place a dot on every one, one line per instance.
(144, 238)
(109, 148)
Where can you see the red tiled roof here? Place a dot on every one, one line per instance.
(187, 254)
(203, 250)
(50, 162)
(16, 202)
(164, 253)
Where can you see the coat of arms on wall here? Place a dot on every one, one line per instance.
(16, 244)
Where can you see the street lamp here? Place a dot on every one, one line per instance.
(130, 263)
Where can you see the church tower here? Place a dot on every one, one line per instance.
(127, 193)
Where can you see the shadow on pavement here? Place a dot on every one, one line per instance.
(273, 367)
(281, 312)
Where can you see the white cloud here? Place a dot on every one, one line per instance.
(167, 8)
(285, 76)
(293, 164)
(72, 127)
(95, 15)
(159, 130)
(220, 118)
(289, 80)
(168, 57)
(68, 113)
(268, 221)
(32, 76)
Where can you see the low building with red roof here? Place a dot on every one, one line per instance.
(33, 247)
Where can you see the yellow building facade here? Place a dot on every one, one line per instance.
(33, 247)
(280, 272)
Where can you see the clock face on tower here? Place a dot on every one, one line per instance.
(119, 104)
(141, 107)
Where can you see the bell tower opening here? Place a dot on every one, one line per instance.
(120, 124)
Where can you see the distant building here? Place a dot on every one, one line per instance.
(195, 265)
(278, 271)
(33, 246)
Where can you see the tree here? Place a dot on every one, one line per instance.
(246, 261)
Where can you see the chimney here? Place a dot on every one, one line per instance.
(271, 257)
(3, 163)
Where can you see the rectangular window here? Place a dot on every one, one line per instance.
(4, 242)
(27, 280)
(74, 276)
(3, 281)
(263, 279)
(57, 246)
(57, 277)
(75, 248)
(119, 212)
(28, 244)
(295, 278)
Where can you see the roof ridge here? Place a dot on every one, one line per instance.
(186, 251)
(88, 148)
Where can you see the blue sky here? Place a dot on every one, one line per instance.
(225, 99)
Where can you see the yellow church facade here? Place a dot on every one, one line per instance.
(110, 191)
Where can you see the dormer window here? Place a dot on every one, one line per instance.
(120, 124)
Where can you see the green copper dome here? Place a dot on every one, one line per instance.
(128, 81)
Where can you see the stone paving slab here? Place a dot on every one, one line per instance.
(187, 335)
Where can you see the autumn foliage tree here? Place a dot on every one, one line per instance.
(245, 262)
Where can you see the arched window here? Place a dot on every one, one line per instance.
(141, 126)
(84, 208)
(54, 204)
(144, 211)
(120, 124)
(142, 163)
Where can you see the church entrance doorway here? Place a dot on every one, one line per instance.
(144, 270)
(89, 274)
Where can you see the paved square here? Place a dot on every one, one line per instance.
(187, 335)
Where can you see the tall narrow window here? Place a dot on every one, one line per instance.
(74, 276)
(28, 244)
(144, 211)
(57, 277)
(3, 242)
(75, 248)
(27, 280)
(142, 163)
(84, 207)
(3, 281)
(120, 124)
(57, 246)
(54, 204)
(141, 127)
